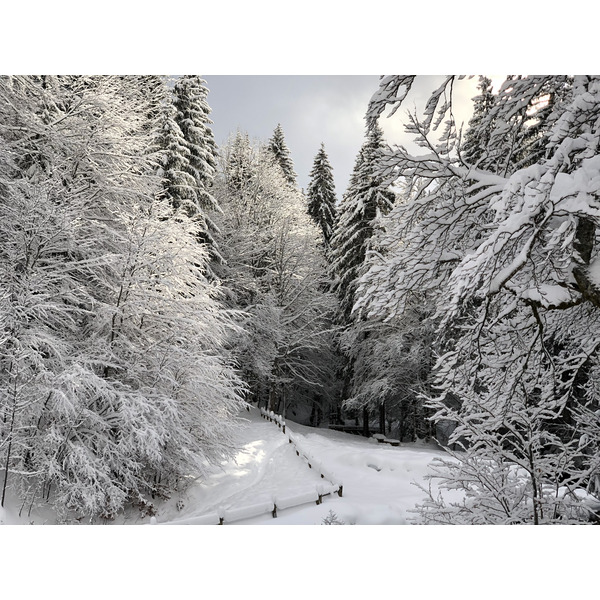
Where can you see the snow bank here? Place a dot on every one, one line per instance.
(207, 519)
(231, 515)
(283, 501)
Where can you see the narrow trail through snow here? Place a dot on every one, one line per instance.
(378, 479)
(266, 466)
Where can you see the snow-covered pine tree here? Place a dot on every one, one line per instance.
(511, 250)
(477, 137)
(170, 151)
(321, 195)
(192, 116)
(281, 153)
(190, 101)
(238, 158)
(368, 196)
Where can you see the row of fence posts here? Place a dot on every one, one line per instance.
(320, 491)
(278, 419)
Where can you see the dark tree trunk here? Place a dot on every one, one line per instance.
(402, 418)
(316, 412)
(272, 396)
(382, 418)
(365, 422)
(8, 450)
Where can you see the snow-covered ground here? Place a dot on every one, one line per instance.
(376, 479)
(300, 562)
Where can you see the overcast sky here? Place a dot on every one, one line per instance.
(314, 109)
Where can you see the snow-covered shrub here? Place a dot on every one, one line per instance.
(332, 519)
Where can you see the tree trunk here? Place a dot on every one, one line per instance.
(10, 438)
(272, 396)
(316, 412)
(382, 418)
(365, 422)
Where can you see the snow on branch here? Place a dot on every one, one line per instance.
(393, 89)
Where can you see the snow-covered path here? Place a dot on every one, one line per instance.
(377, 478)
(266, 467)
(377, 482)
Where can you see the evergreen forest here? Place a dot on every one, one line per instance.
(155, 284)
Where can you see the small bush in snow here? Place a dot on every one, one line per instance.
(332, 519)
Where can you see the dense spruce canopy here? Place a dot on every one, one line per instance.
(368, 197)
(279, 150)
(321, 194)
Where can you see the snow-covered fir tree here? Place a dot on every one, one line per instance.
(173, 157)
(279, 150)
(321, 194)
(368, 196)
(238, 167)
(192, 116)
(476, 136)
(190, 101)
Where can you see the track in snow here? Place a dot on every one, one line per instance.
(266, 466)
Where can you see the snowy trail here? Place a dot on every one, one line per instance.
(378, 479)
(266, 466)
